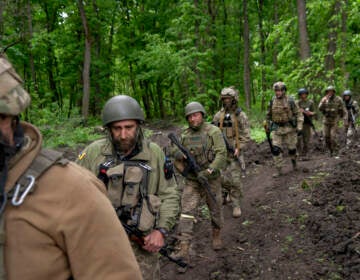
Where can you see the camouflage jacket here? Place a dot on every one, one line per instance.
(307, 105)
(333, 110)
(352, 108)
(102, 150)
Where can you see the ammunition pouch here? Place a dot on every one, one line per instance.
(292, 152)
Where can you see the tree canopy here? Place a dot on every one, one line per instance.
(74, 55)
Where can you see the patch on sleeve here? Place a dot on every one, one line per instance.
(82, 155)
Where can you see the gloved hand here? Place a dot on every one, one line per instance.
(208, 174)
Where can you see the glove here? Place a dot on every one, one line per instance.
(206, 175)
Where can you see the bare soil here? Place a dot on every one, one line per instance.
(302, 225)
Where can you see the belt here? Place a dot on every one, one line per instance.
(282, 123)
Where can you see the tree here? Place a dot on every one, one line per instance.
(303, 34)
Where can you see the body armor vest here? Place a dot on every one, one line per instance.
(127, 185)
(282, 110)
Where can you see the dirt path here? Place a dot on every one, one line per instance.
(303, 225)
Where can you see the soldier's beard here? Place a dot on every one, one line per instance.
(125, 146)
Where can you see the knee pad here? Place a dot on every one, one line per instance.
(292, 152)
(276, 150)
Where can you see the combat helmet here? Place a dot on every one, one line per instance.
(330, 88)
(347, 93)
(194, 107)
(303, 91)
(279, 86)
(121, 107)
(230, 92)
(13, 97)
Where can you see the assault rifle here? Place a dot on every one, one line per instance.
(308, 120)
(268, 132)
(195, 168)
(231, 150)
(352, 119)
(137, 236)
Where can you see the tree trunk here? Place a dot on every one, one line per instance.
(247, 85)
(2, 6)
(303, 34)
(197, 47)
(276, 42)
(332, 37)
(343, 42)
(87, 61)
(262, 54)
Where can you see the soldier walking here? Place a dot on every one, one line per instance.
(234, 124)
(352, 108)
(285, 120)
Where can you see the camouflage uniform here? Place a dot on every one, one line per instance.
(333, 110)
(304, 137)
(352, 108)
(205, 142)
(231, 176)
(142, 171)
(284, 120)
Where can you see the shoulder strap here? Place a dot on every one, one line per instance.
(43, 161)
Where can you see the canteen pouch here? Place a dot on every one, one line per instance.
(115, 187)
(132, 180)
(150, 207)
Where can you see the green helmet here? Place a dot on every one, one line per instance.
(329, 88)
(121, 107)
(194, 107)
(13, 98)
(230, 92)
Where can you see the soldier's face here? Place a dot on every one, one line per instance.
(195, 119)
(124, 134)
(346, 97)
(227, 102)
(303, 97)
(6, 130)
(279, 93)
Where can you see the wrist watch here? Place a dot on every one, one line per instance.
(163, 231)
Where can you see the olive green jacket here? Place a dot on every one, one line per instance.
(101, 150)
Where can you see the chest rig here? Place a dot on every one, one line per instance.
(282, 110)
(200, 146)
(229, 126)
(127, 186)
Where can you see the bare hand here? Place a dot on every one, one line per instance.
(154, 241)
(237, 152)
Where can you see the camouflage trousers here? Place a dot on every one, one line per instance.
(304, 139)
(148, 262)
(231, 182)
(350, 133)
(330, 131)
(284, 136)
(192, 196)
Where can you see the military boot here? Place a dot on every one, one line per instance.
(216, 241)
(278, 172)
(183, 254)
(294, 165)
(236, 212)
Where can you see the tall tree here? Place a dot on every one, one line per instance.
(247, 85)
(87, 61)
(303, 34)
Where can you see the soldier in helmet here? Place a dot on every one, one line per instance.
(333, 109)
(207, 145)
(285, 120)
(235, 127)
(307, 108)
(132, 168)
(352, 108)
(55, 219)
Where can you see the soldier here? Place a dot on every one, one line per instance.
(352, 108)
(55, 219)
(207, 145)
(235, 127)
(285, 120)
(307, 108)
(333, 109)
(133, 170)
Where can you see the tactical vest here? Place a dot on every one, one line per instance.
(282, 110)
(200, 146)
(127, 186)
(25, 186)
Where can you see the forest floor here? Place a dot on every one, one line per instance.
(302, 225)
